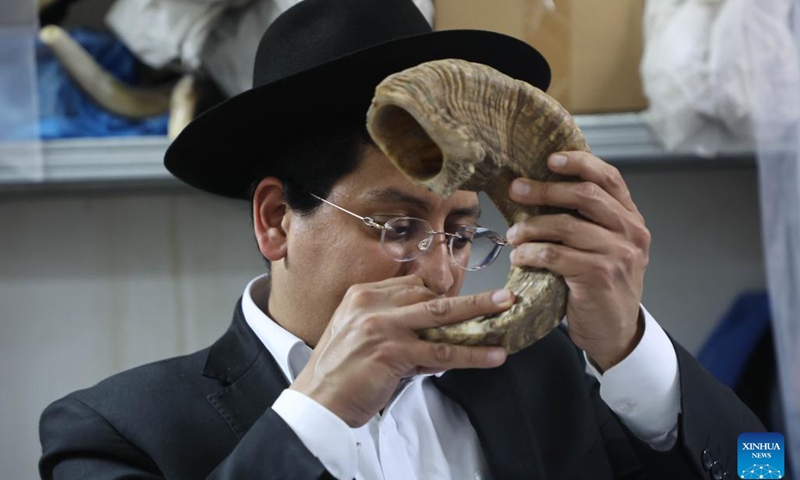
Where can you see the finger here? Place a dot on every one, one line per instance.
(579, 267)
(561, 228)
(411, 280)
(382, 295)
(368, 292)
(558, 259)
(401, 295)
(592, 169)
(449, 310)
(437, 357)
(587, 198)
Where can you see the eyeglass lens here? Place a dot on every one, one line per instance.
(406, 238)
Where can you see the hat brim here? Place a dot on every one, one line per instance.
(224, 149)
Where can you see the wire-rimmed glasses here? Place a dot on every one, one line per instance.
(405, 238)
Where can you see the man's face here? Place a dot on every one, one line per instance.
(329, 250)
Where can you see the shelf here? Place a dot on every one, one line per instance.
(622, 139)
(626, 140)
(96, 163)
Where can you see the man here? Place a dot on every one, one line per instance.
(322, 374)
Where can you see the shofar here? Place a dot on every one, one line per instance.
(98, 84)
(455, 125)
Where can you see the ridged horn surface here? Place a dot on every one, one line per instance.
(99, 85)
(455, 125)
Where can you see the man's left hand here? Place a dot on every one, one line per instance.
(602, 256)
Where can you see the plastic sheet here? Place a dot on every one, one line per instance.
(20, 146)
(776, 111)
(65, 111)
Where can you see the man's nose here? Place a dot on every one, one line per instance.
(435, 267)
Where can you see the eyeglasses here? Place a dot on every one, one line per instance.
(405, 238)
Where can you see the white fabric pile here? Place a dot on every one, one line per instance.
(698, 69)
(217, 37)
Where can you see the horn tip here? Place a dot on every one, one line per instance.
(50, 34)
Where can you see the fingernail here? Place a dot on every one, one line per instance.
(501, 296)
(520, 187)
(497, 356)
(512, 233)
(557, 160)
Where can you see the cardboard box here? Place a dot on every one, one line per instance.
(593, 47)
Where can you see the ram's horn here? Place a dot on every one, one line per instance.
(450, 125)
(183, 105)
(99, 85)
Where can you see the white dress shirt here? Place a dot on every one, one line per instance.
(423, 434)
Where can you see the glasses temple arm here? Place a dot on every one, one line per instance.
(367, 220)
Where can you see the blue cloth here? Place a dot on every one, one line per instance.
(728, 349)
(66, 112)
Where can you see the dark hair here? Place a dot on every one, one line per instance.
(323, 158)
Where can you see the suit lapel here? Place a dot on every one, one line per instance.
(543, 380)
(508, 441)
(534, 415)
(252, 378)
(253, 381)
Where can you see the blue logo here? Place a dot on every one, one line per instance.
(761, 455)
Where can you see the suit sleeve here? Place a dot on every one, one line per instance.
(271, 443)
(644, 389)
(79, 443)
(708, 428)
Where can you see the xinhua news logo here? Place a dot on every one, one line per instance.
(761, 455)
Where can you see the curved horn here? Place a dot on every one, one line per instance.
(99, 85)
(450, 125)
(183, 105)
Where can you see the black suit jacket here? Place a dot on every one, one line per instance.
(539, 416)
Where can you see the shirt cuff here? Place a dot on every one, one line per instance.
(644, 388)
(324, 434)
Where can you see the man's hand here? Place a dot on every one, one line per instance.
(602, 257)
(370, 344)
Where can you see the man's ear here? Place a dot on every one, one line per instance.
(269, 210)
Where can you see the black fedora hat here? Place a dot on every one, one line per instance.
(317, 63)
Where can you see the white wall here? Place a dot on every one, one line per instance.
(94, 283)
(706, 245)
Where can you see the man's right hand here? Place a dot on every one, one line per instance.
(371, 344)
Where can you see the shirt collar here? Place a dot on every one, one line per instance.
(290, 352)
